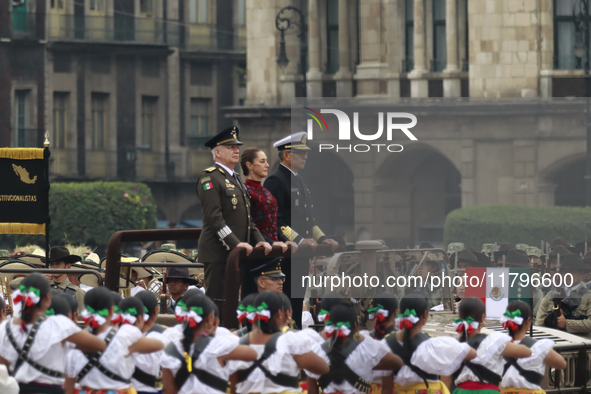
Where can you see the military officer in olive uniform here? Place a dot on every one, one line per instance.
(60, 258)
(568, 308)
(295, 208)
(226, 213)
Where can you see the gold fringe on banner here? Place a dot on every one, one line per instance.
(22, 228)
(21, 153)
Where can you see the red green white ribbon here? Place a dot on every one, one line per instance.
(194, 316)
(343, 329)
(28, 295)
(117, 315)
(93, 317)
(180, 311)
(378, 312)
(129, 316)
(323, 315)
(146, 314)
(512, 320)
(407, 319)
(329, 328)
(241, 313)
(251, 314)
(468, 325)
(263, 312)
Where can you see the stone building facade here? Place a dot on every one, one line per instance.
(127, 89)
(502, 152)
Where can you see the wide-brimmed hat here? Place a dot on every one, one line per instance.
(170, 256)
(560, 241)
(483, 259)
(61, 253)
(503, 250)
(181, 273)
(426, 245)
(573, 262)
(36, 258)
(581, 245)
(14, 263)
(560, 249)
(517, 258)
(466, 256)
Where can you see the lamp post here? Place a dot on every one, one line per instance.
(581, 49)
(292, 18)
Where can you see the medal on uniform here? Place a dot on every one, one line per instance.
(234, 201)
(297, 202)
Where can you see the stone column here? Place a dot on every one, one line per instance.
(343, 77)
(419, 86)
(451, 83)
(314, 75)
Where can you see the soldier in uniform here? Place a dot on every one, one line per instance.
(568, 308)
(60, 258)
(295, 207)
(269, 277)
(227, 223)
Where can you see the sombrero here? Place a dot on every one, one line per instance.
(15, 263)
(36, 258)
(170, 256)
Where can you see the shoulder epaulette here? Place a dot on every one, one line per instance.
(210, 169)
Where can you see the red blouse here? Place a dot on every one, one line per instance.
(263, 208)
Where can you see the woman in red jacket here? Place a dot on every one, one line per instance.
(263, 209)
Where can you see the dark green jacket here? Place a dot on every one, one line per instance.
(226, 215)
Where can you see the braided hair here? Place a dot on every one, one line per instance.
(471, 307)
(98, 299)
(59, 306)
(197, 305)
(272, 302)
(249, 300)
(32, 290)
(387, 302)
(524, 312)
(150, 302)
(344, 312)
(416, 304)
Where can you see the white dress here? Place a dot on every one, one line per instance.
(288, 345)
(488, 355)
(219, 346)
(47, 348)
(115, 359)
(535, 363)
(149, 363)
(436, 356)
(361, 360)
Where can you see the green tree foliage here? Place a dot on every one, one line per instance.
(89, 213)
(516, 224)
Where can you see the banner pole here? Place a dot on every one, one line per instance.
(48, 220)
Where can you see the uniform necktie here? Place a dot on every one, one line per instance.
(238, 180)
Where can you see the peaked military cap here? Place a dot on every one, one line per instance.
(271, 269)
(228, 136)
(297, 141)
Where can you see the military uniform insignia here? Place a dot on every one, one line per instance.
(234, 201)
(210, 169)
(221, 170)
(297, 202)
(230, 185)
(205, 179)
(227, 181)
(208, 186)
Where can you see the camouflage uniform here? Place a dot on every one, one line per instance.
(581, 325)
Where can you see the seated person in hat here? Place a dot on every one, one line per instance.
(60, 258)
(178, 282)
(569, 307)
(268, 277)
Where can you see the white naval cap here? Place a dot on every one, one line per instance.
(294, 141)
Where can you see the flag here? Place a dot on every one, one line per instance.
(207, 186)
(496, 287)
(24, 190)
